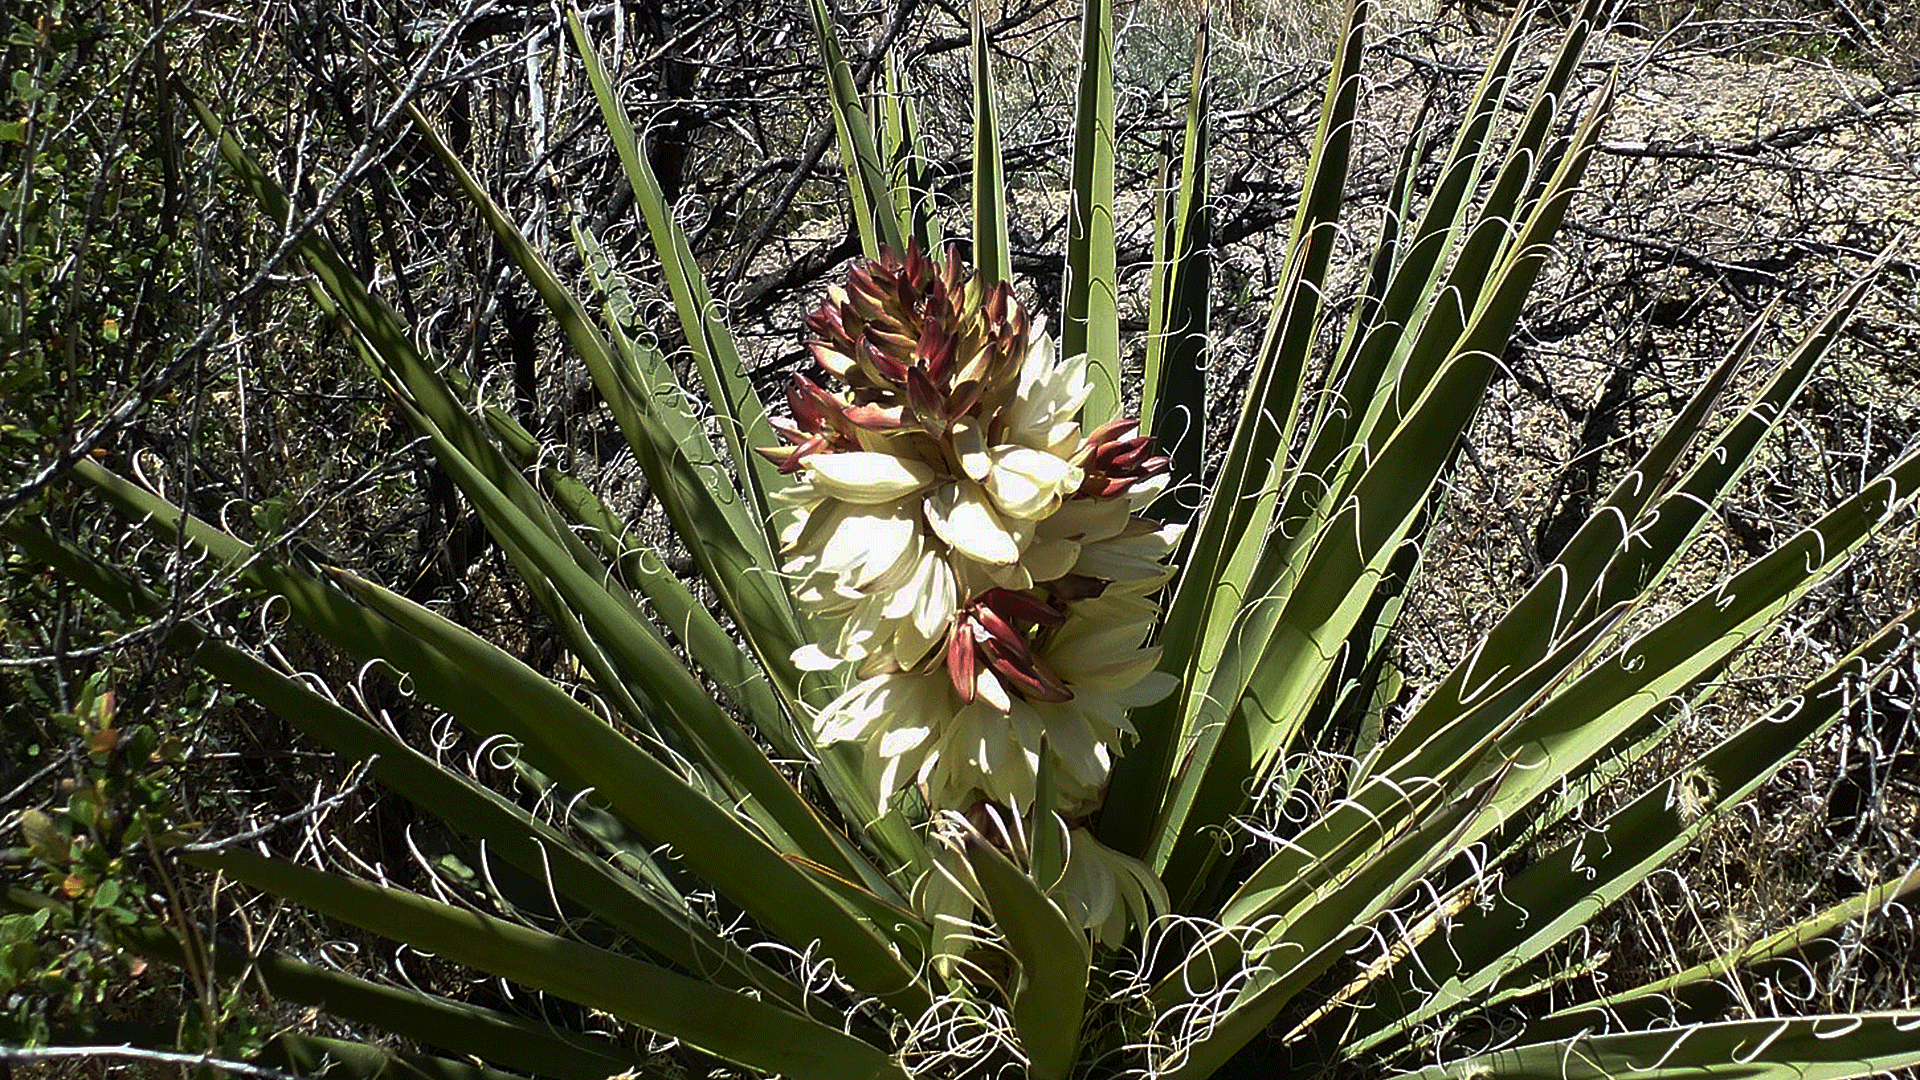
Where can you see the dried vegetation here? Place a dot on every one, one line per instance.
(1755, 165)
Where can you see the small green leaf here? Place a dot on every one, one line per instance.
(43, 835)
(1050, 989)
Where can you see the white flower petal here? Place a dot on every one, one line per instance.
(1151, 688)
(1004, 768)
(860, 629)
(893, 576)
(1048, 396)
(1090, 890)
(926, 598)
(860, 476)
(867, 545)
(910, 646)
(1132, 560)
(1049, 559)
(1122, 670)
(800, 493)
(1098, 628)
(1107, 891)
(1084, 645)
(1085, 520)
(1027, 725)
(876, 664)
(959, 513)
(895, 755)
(1144, 491)
(970, 444)
(1017, 496)
(1030, 483)
(813, 658)
(901, 739)
(1015, 577)
(955, 770)
(988, 688)
(849, 716)
(936, 603)
(1075, 748)
(812, 532)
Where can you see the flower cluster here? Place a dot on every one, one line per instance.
(979, 556)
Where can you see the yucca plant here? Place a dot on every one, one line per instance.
(1006, 693)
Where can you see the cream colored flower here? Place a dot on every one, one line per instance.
(1102, 890)
(978, 555)
(1106, 891)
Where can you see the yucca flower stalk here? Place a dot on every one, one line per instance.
(980, 557)
(940, 584)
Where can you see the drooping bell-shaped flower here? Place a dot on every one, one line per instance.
(979, 557)
(1106, 892)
